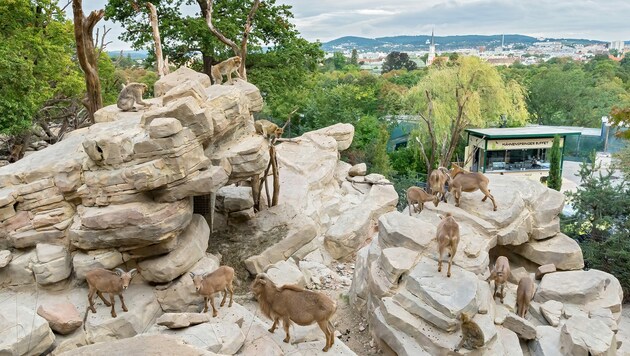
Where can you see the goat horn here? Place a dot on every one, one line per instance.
(119, 271)
(132, 271)
(192, 274)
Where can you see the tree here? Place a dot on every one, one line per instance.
(449, 99)
(184, 36)
(555, 160)
(354, 58)
(398, 60)
(39, 80)
(87, 55)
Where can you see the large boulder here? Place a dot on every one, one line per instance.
(592, 289)
(159, 345)
(85, 262)
(178, 77)
(561, 250)
(192, 245)
(53, 264)
(63, 318)
(583, 336)
(23, 332)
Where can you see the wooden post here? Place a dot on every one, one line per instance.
(83, 30)
(276, 176)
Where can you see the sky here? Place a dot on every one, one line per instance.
(325, 20)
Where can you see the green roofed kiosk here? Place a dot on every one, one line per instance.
(518, 150)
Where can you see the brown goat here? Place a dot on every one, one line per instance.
(292, 303)
(500, 274)
(437, 179)
(210, 283)
(524, 295)
(416, 195)
(462, 181)
(101, 281)
(447, 237)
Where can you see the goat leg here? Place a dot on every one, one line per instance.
(224, 295)
(91, 300)
(112, 300)
(323, 324)
(122, 301)
(231, 289)
(274, 326)
(440, 261)
(205, 304)
(100, 295)
(285, 325)
(214, 310)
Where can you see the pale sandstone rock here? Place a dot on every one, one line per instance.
(53, 264)
(350, 231)
(5, 258)
(224, 338)
(510, 341)
(544, 269)
(62, 318)
(314, 272)
(561, 250)
(189, 88)
(20, 270)
(358, 170)
(394, 339)
(285, 272)
(552, 311)
(129, 225)
(164, 127)
(193, 242)
(397, 229)
(581, 336)
(178, 77)
(199, 119)
(397, 260)
(70, 343)
(342, 133)
(546, 343)
(342, 171)
(605, 316)
(582, 287)
(85, 262)
(245, 157)
(23, 332)
(195, 184)
(182, 320)
(233, 198)
(159, 345)
(523, 328)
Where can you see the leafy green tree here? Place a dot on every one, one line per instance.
(449, 99)
(36, 61)
(555, 160)
(354, 58)
(185, 36)
(398, 60)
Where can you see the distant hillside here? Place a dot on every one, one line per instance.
(133, 54)
(420, 42)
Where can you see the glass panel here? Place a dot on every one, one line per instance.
(517, 160)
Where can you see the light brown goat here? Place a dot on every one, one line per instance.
(291, 303)
(463, 181)
(437, 179)
(416, 195)
(210, 283)
(101, 281)
(524, 294)
(447, 237)
(500, 274)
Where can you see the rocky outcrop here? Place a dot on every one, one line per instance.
(142, 344)
(413, 309)
(63, 318)
(24, 332)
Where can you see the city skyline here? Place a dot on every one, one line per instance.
(326, 20)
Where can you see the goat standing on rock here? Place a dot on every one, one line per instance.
(447, 237)
(416, 195)
(210, 283)
(292, 303)
(462, 181)
(500, 274)
(102, 281)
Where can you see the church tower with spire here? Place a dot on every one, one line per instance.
(431, 56)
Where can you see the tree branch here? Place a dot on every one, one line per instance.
(216, 32)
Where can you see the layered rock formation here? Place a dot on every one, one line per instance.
(413, 309)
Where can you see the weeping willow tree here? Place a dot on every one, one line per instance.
(467, 92)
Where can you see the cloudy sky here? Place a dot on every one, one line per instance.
(329, 19)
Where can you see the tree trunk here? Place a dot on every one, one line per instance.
(156, 38)
(83, 33)
(207, 64)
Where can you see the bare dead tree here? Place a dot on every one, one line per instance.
(162, 68)
(238, 50)
(83, 33)
(101, 44)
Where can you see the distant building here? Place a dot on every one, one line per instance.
(617, 45)
(431, 56)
